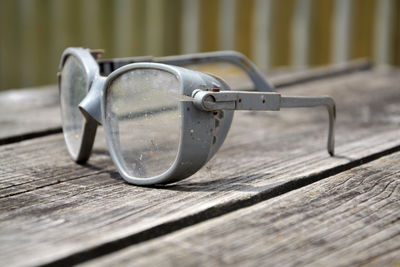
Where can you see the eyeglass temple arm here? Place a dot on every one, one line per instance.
(232, 57)
(236, 100)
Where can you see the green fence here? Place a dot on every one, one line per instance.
(273, 33)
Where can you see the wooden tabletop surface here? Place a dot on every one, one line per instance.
(270, 196)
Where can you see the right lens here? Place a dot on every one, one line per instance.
(143, 121)
(73, 88)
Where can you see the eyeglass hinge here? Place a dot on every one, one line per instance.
(97, 53)
(234, 100)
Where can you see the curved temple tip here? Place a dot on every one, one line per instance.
(303, 102)
(331, 107)
(331, 151)
(331, 136)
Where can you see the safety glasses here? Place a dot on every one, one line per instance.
(162, 122)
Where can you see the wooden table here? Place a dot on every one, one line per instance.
(271, 195)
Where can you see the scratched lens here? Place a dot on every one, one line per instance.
(143, 121)
(73, 88)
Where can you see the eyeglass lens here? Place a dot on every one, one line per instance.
(143, 119)
(73, 88)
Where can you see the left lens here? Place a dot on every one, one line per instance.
(73, 88)
(142, 119)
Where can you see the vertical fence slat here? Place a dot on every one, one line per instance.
(342, 30)
(321, 32)
(384, 31)
(47, 72)
(362, 24)
(172, 27)
(243, 36)
(123, 30)
(3, 50)
(27, 15)
(97, 19)
(301, 33)
(396, 41)
(128, 27)
(262, 31)
(227, 29)
(106, 24)
(154, 34)
(66, 27)
(281, 37)
(9, 45)
(209, 38)
(190, 26)
(59, 23)
(91, 30)
(34, 32)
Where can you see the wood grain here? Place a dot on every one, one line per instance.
(349, 219)
(74, 213)
(29, 113)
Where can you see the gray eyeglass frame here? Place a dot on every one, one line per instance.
(212, 100)
(94, 68)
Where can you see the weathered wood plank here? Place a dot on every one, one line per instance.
(56, 211)
(348, 219)
(29, 113)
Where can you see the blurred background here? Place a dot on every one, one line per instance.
(273, 33)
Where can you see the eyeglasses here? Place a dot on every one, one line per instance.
(162, 122)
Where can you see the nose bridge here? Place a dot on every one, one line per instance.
(91, 104)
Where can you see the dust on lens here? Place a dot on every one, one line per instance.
(143, 119)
